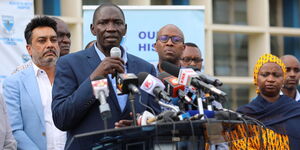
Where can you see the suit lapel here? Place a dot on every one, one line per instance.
(94, 61)
(32, 88)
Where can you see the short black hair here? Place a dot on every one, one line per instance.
(41, 21)
(106, 5)
(191, 44)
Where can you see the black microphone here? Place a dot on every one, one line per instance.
(127, 83)
(100, 89)
(170, 68)
(206, 78)
(153, 86)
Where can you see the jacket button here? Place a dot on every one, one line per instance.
(44, 134)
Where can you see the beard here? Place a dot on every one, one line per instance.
(290, 87)
(46, 62)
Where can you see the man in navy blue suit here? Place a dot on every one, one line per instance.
(75, 109)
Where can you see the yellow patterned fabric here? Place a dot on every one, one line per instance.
(258, 139)
(267, 58)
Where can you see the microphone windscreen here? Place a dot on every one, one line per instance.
(163, 75)
(141, 77)
(170, 68)
(115, 52)
(194, 68)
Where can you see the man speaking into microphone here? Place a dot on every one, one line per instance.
(75, 108)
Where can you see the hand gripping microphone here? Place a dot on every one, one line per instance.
(153, 86)
(100, 89)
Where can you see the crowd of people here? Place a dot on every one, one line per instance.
(50, 99)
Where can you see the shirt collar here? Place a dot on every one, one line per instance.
(297, 98)
(102, 56)
(37, 70)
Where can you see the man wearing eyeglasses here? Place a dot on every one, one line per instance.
(191, 56)
(169, 45)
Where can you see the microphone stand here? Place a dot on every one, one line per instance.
(200, 104)
(131, 99)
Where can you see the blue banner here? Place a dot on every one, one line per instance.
(143, 22)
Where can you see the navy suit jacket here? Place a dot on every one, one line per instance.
(74, 106)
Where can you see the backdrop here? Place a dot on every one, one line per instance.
(143, 22)
(14, 16)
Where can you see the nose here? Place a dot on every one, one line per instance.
(292, 73)
(169, 42)
(66, 39)
(110, 27)
(270, 78)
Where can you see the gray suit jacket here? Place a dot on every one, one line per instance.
(7, 141)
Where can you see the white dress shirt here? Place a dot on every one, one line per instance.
(297, 98)
(56, 139)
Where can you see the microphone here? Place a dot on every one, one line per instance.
(206, 78)
(127, 83)
(173, 88)
(115, 52)
(218, 115)
(189, 77)
(152, 86)
(171, 84)
(100, 90)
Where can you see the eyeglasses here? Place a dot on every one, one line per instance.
(189, 59)
(174, 39)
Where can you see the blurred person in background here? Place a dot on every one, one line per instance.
(191, 56)
(7, 141)
(292, 77)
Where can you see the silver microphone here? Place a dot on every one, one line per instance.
(115, 52)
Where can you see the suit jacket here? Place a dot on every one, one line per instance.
(25, 110)
(7, 141)
(74, 106)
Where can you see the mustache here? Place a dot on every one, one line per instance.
(51, 51)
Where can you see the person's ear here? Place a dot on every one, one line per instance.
(125, 29)
(29, 49)
(155, 46)
(92, 28)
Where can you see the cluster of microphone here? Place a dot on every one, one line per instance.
(187, 93)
